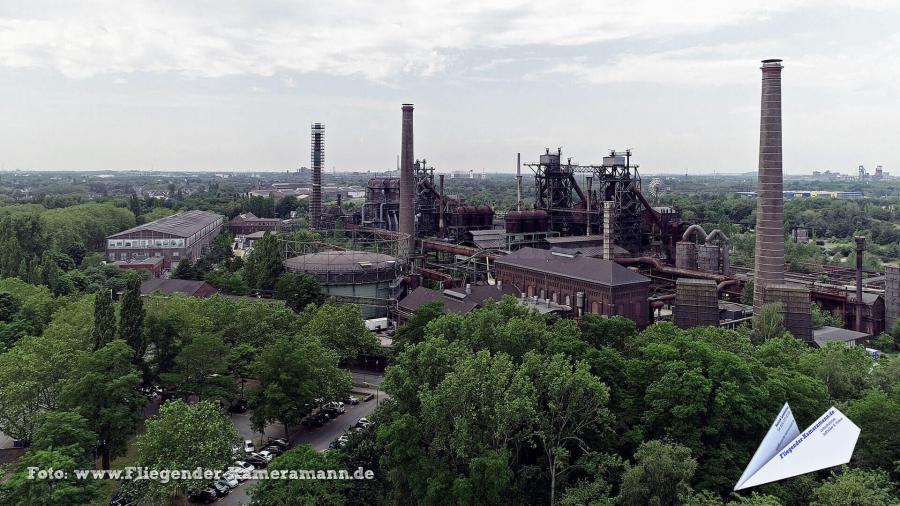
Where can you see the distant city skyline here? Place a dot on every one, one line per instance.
(212, 86)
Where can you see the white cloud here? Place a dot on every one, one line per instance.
(374, 40)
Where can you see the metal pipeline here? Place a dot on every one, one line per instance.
(694, 229)
(658, 265)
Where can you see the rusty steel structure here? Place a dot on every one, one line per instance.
(570, 209)
(770, 200)
(407, 177)
(317, 161)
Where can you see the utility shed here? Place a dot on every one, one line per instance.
(606, 287)
(826, 335)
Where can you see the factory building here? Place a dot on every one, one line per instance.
(355, 276)
(453, 301)
(248, 223)
(173, 238)
(588, 285)
(891, 296)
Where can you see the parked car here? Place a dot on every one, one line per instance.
(333, 445)
(229, 482)
(282, 443)
(221, 488)
(351, 400)
(239, 470)
(368, 397)
(265, 454)
(249, 447)
(239, 406)
(203, 496)
(274, 450)
(257, 461)
(363, 423)
(334, 407)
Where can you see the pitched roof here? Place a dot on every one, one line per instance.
(593, 270)
(183, 224)
(826, 335)
(170, 286)
(421, 296)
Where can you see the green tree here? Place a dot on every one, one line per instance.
(747, 293)
(184, 270)
(131, 317)
(413, 331)
(200, 369)
(292, 373)
(9, 306)
(844, 369)
(240, 362)
(69, 432)
(616, 332)
(769, 323)
(31, 378)
(660, 476)
(165, 332)
(184, 437)
(342, 329)
(264, 263)
(22, 490)
(103, 388)
(857, 487)
(822, 318)
(878, 415)
(104, 320)
(303, 492)
(564, 403)
(299, 290)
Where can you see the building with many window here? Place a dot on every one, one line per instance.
(587, 285)
(248, 223)
(173, 238)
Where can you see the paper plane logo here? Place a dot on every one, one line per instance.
(787, 452)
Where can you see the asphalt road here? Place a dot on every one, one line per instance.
(318, 437)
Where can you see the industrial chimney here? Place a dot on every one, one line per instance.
(860, 253)
(407, 179)
(769, 200)
(317, 145)
(609, 232)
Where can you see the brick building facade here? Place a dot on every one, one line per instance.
(607, 288)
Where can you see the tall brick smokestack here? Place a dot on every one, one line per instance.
(769, 197)
(860, 253)
(317, 155)
(407, 182)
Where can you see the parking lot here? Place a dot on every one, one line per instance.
(318, 437)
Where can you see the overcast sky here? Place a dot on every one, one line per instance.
(230, 85)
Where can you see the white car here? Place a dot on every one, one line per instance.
(249, 447)
(230, 481)
(363, 423)
(266, 455)
(240, 470)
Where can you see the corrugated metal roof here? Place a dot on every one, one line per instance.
(183, 224)
(593, 270)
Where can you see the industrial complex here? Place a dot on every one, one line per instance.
(591, 243)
